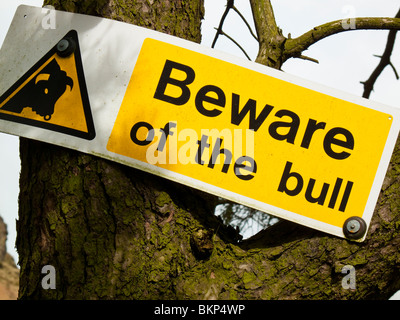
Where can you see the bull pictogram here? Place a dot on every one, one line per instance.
(42, 92)
(52, 94)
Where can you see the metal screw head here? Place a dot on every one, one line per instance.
(354, 228)
(65, 47)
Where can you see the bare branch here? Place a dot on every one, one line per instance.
(385, 61)
(235, 42)
(308, 58)
(394, 70)
(245, 21)
(390, 63)
(229, 6)
(294, 47)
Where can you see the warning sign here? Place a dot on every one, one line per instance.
(250, 134)
(52, 94)
(224, 125)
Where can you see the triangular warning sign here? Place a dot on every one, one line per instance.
(52, 94)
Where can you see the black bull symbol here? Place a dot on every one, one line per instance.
(40, 94)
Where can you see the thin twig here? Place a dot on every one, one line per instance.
(385, 61)
(308, 58)
(394, 70)
(390, 64)
(229, 6)
(235, 42)
(245, 21)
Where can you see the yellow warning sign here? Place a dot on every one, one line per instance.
(52, 94)
(250, 134)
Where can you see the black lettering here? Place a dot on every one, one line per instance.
(240, 165)
(312, 126)
(346, 196)
(249, 108)
(293, 126)
(330, 139)
(202, 144)
(166, 131)
(202, 97)
(218, 151)
(286, 176)
(321, 198)
(335, 193)
(149, 137)
(166, 79)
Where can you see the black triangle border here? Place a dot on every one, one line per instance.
(90, 135)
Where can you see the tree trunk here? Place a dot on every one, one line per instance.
(112, 232)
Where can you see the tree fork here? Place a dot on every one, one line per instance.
(270, 38)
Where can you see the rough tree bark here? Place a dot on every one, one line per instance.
(113, 232)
